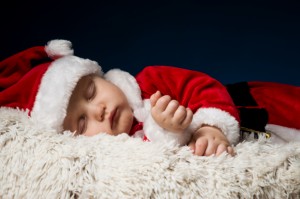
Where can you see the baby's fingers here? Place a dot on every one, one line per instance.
(183, 115)
(230, 151)
(162, 103)
(172, 108)
(223, 148)
(199, 146)
(154, 97)
(188, 118)
(180, 114)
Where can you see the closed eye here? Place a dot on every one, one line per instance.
(91, 90)
(81, 125)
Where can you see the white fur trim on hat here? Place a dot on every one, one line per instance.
(59, 48)
(127, 83)
(56, 88)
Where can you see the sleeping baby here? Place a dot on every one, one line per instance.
(160, 104)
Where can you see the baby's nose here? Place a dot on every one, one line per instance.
(97, 111)
(101, 112)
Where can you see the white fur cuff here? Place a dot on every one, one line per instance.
(157, 134)
(218, 118)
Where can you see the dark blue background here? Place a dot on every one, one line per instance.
(231, 41)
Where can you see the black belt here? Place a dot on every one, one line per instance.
(253, 118)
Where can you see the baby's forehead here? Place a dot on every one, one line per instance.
(83, 81)
(82, 85)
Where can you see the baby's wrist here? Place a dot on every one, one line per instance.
(208, 129)
(174, 130)
(206, 126)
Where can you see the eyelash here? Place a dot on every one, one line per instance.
(91, 92)
(81, 125)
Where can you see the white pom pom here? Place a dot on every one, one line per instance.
(59, 48)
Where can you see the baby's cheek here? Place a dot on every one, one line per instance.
(94, 128)
(128, 120)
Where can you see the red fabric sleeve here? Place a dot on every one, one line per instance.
(190, 88)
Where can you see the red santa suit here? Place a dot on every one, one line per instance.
(275, 106)
(282, 103)
(205, 96)
(41, 80)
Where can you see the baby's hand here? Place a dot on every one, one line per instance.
(209, 140)
(169, 114)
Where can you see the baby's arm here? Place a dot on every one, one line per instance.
(169, 114)
(209, 140)
(205, 96)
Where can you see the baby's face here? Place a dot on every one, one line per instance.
(97, 106)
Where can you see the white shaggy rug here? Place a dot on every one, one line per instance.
(36, 162)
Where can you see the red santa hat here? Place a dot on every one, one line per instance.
(41, 80)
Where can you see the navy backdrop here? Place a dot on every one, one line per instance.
(231, 41)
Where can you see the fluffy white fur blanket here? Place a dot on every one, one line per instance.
(36, 162)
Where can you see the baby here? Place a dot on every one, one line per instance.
(161, 104)
(97, 105)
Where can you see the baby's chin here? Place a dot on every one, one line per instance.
(121, 132)
(126, 129)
